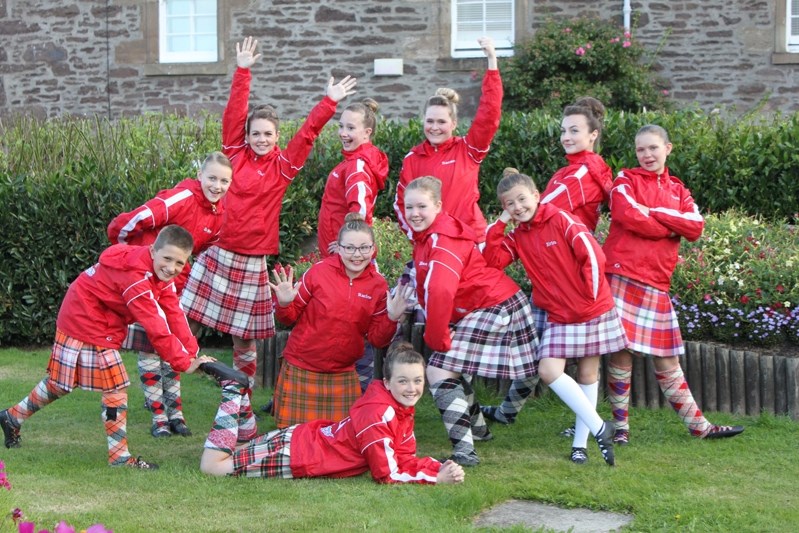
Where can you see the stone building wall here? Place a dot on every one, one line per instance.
(97, 56)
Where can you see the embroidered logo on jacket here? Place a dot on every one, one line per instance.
(551, 243)
(450, 162)
(366, 296)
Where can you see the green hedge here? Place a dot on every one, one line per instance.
(63, 180)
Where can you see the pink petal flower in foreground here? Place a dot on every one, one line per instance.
(580, 51)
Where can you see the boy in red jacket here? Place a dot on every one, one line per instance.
(196, 205)
(129, 284)
(376, 436)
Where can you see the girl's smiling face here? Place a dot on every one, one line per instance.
(215, 180)
(420, 209)
(652, 151)
(406, 384)
(438, 124)
(351, 130)
(575, 135)
(520, 202)
(356, 249)
(263, 136)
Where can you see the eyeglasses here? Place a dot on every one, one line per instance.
(350, 250)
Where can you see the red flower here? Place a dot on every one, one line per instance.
(780, 288)
(707, 297)
(744, 299)
(758, 292)
(397, 255)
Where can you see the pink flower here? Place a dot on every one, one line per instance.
(707, 297)
(26, 527)
(567, 30)
(626, 44)
(580, 51)
(665, 92)
(627, 35)
(615, 40)
(588, 46)
(63, 527)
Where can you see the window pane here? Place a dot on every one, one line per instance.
(205, 7)
(179, 44)
(179, 7)
(178, 25)
(206, 24)
(793, 7)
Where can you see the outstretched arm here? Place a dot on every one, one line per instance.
(487, 44)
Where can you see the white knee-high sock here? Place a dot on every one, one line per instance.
(580, 429)
(571, 394)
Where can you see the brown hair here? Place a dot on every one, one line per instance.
(655, 130)
(368, 108)
(427, 184)
(445, 97)
(511, 178)
(174, 235)
(400, 353)
(354, 221)
(218, 158)
(593, 111)
(264, 111)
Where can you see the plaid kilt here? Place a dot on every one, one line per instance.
(598, 336)
(266, 456)
(303, 395)
(137, 340)
(648, 318)
(496, 342)
(230, 293)
(94, 368)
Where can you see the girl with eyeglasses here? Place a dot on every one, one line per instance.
(339, 302)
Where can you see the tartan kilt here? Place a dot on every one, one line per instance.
(598, 336)
(496, 342)
(303, 395)
(229, 292)
(648, 318)
(137, 340)
(74, 363)
(266, 456)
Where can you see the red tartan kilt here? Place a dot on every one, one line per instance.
(94, 368)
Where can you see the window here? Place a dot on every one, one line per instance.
(792, 25)
(472, 19)
(187, 31)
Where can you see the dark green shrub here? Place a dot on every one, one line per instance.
(566, 59)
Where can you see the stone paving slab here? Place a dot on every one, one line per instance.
(536, 515)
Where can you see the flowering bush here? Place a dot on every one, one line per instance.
(571, 58)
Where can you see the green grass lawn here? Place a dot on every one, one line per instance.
(666, 479)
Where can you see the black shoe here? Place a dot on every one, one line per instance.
(269, 407)
(160, 430)
(568, 432)
(605, 441)
(464, 459)
(493, 413)
(221, 372)
(621, 437)
(10, 430)
(579, 456)
(716, 432)
(484, 437)
(179, 427)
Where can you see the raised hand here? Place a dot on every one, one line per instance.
(284, 287)
(397, 303)
(342, 89)
(245, 53)
(487, 44)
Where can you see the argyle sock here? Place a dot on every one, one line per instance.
(675, 389)
(450, 399)
(581, 432)
(571, 394)
(619, 379)
(173, 402)
(44, 393)
(365, 367)
(224, 433)
(115, 416)
(152, 385)
(476, 420)
(246, 360)
(520, 390)
(248, 427)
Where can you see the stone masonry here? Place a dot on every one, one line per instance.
(97, 56)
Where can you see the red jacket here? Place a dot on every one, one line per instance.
(453, 279)
(561, 258)
(377, 436)
(581, 187)
(122, 289)
(254, 200)
(332, 314)
(352, 186)
(184, 205)
(456, 162)
(645, 247)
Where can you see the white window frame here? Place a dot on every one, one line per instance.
(503, 43)
(167, 56)
(791, 38)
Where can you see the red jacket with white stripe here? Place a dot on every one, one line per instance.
(332, 314)
(581, 187)
(255, 197)
(561, 258)
(352, 186)
(453, 279)
(456, 162)
(377, 436)
(121, 289)
(642, 246)
(184, 205)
